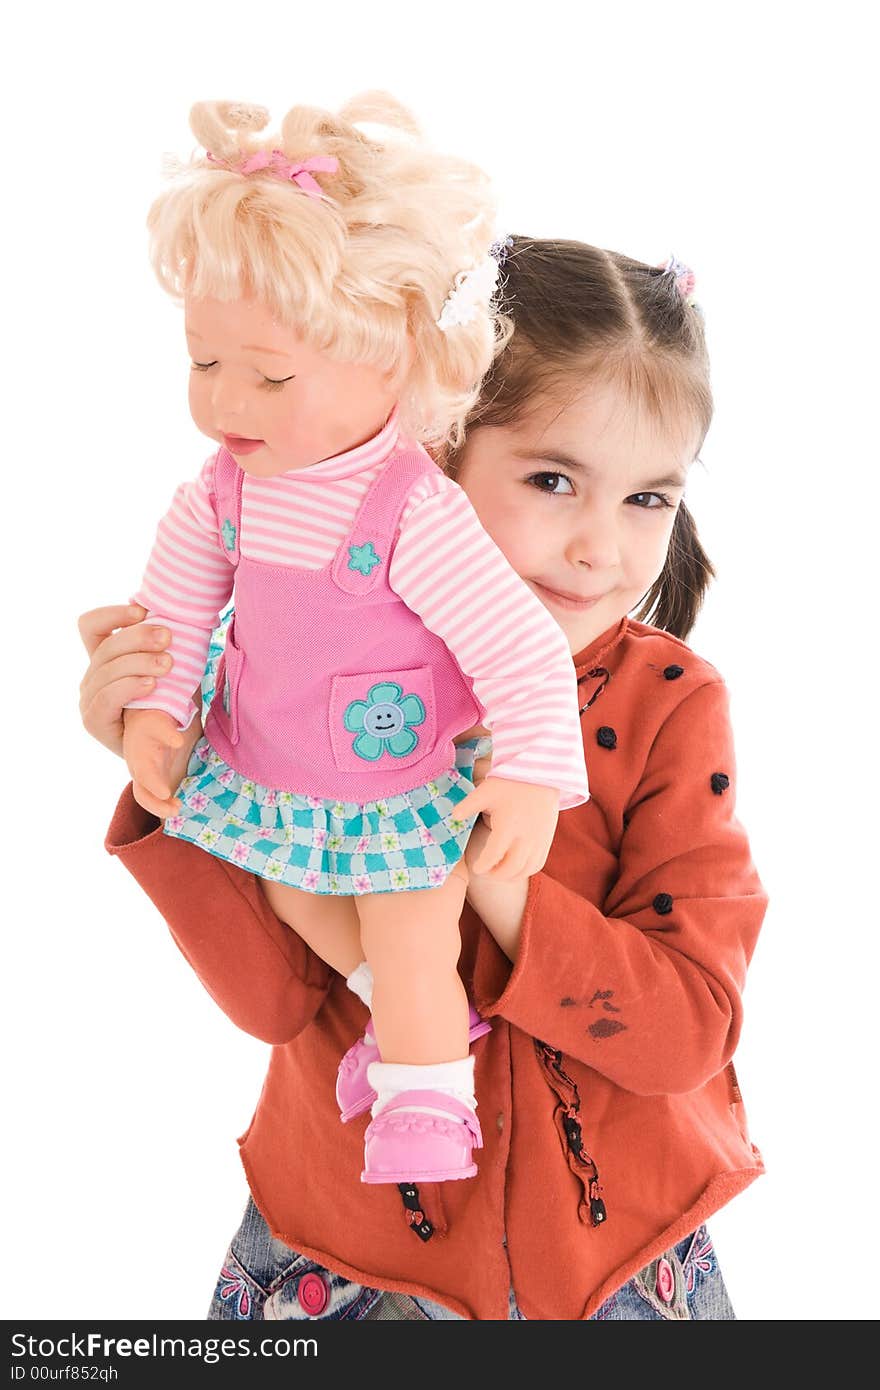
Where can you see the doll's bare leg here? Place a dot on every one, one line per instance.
(412, 944)
(327, 923)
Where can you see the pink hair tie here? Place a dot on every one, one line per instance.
(685, 279)
(277, 163)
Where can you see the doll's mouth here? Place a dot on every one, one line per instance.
(237, 444)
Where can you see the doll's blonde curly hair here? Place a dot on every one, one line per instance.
(358, 272)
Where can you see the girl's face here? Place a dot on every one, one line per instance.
(581, 498)
(276, 402)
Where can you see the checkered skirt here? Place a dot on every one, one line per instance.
(399, 843)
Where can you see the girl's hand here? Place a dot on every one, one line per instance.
(521, 819)
(126, 658)
(156, 752)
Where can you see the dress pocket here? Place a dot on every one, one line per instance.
(228, 680)
(381, 720)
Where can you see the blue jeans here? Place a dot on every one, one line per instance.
(264, 1279)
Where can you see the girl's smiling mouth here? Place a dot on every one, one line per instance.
(564, 599)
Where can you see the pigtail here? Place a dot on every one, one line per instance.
(380, 108)
(222, 127)
(676, 596)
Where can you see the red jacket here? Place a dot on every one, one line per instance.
(633, 956)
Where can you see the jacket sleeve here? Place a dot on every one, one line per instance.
(646, 989)
(260, 972)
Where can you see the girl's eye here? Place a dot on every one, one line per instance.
(550, 483)
(650, 501)
(202, 366)
(272, 385)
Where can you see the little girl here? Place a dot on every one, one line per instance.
(338, 297)
(614, 976)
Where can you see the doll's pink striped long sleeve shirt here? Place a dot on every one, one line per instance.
(445, 568)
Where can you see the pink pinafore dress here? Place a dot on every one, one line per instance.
(328, 760)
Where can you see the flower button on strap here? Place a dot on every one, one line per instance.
(312, 1294)
(363, 558)
(665, 1280)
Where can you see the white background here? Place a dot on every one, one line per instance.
(739, 137)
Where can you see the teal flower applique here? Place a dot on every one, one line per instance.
(363, 558)
(383, 722)
(227, 531)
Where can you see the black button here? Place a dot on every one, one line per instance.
(672, 673)
(662, 904)
(606, 737)
(719, 782)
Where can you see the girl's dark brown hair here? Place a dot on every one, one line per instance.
(591, 315)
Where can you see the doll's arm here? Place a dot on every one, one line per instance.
(187, 583)
(447, 569)
(261, 974)
(647, 987)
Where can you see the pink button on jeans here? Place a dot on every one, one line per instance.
(665, 1280)
(313, 1294)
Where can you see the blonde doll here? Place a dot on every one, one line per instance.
(337, 286)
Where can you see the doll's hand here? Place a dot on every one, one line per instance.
(127, 657)
(521, 818)
(156, 751)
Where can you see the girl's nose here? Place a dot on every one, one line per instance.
(594, 542)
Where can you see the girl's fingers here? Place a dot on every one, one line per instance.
(121, 670)
(141, 640)
(98, 623)
(101, 709)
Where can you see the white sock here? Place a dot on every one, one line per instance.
(360, 982)
(389, 1079)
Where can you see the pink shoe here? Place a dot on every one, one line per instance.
(354, 1094)
(403, 1144)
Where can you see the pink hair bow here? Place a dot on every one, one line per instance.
(278, 163)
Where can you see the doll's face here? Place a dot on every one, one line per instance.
(276, 402)
(581, 498)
